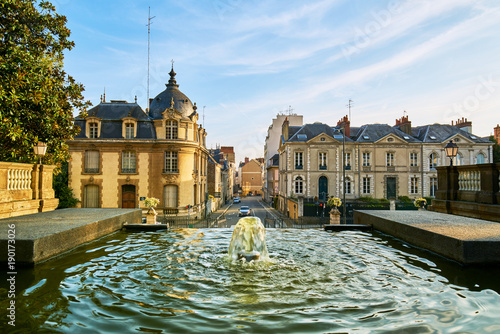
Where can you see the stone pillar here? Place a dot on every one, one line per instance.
(392, 204)
(334, 216)
(301, 207)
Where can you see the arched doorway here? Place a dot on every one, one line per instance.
(128, 196)
(323, 188)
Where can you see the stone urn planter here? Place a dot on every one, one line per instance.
(151, 203)
(334, 216)
(151, 216)
(420, 204)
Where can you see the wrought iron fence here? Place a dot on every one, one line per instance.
(186, 222)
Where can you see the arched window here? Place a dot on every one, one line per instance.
(480, 158)
(299, 185)
(171, 129)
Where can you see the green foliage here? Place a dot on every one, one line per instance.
(37, 97)
(496, 150)
(63, 192)
(405, 199)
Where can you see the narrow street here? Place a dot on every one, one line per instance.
(253, 202)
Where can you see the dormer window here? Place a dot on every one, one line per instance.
(171, 131)
(129, 130)
(93, 127)
(93, 130)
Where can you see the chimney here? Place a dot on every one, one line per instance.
(404, 125)
(284, 129)
(344, 121)
(497, 134)
(247, 160)
(463, 124)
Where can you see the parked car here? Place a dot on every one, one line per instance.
(236, 200)
(245, 211)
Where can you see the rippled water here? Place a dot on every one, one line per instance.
(183, 282)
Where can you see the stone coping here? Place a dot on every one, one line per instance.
(43, 235)
(462, 239)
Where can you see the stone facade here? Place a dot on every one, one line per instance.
(124, 154)
(381, 161)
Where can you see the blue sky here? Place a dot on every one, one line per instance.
(244, 61)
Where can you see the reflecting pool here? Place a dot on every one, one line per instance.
(183, 281)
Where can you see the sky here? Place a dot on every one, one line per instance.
(245, 61)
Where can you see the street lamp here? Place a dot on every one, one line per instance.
(40, 150)
(451, 150)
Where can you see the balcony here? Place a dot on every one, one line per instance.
(299, 167)
(322, 167)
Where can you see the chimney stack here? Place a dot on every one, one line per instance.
(344, 121)
(463, 124)
(247, 160)
(404, 125)
(497, 134)
(284, 129)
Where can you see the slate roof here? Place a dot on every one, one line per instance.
(275, 160)
(111, 114)
(370, 133)
(439, 133)
(309, 131)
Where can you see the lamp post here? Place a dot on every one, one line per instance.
(40, 150)
(451, 150)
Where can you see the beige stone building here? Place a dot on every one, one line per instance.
(381, 161)
(251, 172)
(124, 154)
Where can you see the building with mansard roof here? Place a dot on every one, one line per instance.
(382, 161)
(124, 154)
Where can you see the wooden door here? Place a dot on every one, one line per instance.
(128, 197)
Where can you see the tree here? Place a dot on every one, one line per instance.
(496, 150)
(62, 190)
(37, 97)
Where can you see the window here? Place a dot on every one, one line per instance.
(92, 162)
(433, 186)
(348, 159)
(458, 160)
(390, 159)
(413, 185)
(93, 130)
(366, 185)
(298, 160)
(128, 162)
(170, 162)
(170, 196)
(91, 196)
(171, 129)
(366, 159)
(299, 186)
(433, 161)
(129, 130)
(413, 159)
(348, 185)
(480, 158)
(322, 160)
(195, 163)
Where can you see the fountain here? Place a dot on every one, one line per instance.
(248, 242)
(183, 281)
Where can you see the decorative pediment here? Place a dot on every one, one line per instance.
(390, 139)
(170, 178)
(323, 138)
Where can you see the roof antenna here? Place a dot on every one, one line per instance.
(149, 34)
(349, 106)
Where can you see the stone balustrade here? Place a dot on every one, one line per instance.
(25, 189)
(470, 190)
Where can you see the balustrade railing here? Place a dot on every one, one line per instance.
(469, 180)
(19, 178)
